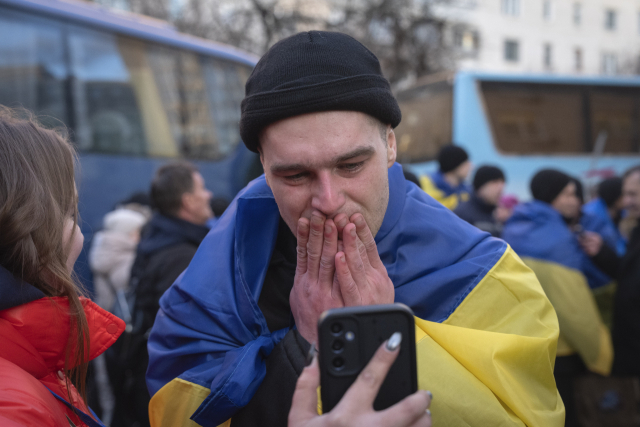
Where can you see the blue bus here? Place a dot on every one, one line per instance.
(586, 126)
(133, 92)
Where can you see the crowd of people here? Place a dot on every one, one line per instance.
(210, 319)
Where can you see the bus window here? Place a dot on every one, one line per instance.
(32, 67)
(618, 113)
(535, 118)
(107, 116)
(225, 89)
(426, 121)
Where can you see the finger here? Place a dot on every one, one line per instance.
(302, 234)
(365, 235)
(354, 257)
(329, 251)
(364, 390)
(348, 288)
(314, 246)
(341, 220)
(410, 411)
(305, 397)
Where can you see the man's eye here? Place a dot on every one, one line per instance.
(296, 177)
(352, 167)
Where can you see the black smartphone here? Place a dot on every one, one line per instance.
(347, 339)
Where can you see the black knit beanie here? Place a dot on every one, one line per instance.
(610, 190)
(310, 72)
(547, 184)
(450, 157)
(486, 174)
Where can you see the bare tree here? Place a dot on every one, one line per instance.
(406, 35)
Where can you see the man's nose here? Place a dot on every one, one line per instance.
(327, 196)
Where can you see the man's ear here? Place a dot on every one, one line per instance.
(392, 147)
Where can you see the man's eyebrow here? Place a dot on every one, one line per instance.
(284, 168)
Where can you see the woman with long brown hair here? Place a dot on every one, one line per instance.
(48, 330)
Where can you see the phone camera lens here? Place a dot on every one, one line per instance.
(337, 345)
(338, 362)
(336, 328)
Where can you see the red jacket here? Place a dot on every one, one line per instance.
(33, 339)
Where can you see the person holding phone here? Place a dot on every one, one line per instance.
(333, 223)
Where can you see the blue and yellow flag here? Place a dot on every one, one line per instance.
(486, 332)
(538, 233)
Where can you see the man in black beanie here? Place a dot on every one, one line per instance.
(447, 185)
(488, 185)
(334, 223)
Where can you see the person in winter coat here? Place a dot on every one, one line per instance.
(608, 207)
(626, 270)
(479, 210)
(169, 241)
(112, 253)
(333, 222)
(447, 185)
(48, 331)
(539, 233)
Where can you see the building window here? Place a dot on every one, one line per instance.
(465, 39)
(610, 19)
(577, 55)
(547, 56)
(511, 7)
(577, 13)
(511, 51)
(609, 63)
(547, 10)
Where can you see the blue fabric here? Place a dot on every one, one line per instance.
(596, 218)
(438, 180)
(14, 292)
(591, 221)
(210, 331)
(536, 230)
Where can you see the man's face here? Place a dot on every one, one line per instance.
(332, 162)
(197, 201)
(567, 202)
(631, 195)
(462, 171)
(491, 191)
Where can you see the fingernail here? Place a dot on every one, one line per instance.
(353, 232)
(342, 258)
(430, 394)
(428, 412)
(327, 229)
(394, 342)
(359, 220)
(311, 354)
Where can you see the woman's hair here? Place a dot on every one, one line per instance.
(37, 198)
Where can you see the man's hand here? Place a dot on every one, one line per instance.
(314, 289)
(328, 276)
(591, 243)
(360, 272)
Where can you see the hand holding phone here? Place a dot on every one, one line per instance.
(348, 338)
(356, 407)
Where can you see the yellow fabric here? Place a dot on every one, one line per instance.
(581, 328)
(491, 363)
(450, 201)
(173, 404)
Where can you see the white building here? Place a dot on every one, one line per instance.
(557, 36)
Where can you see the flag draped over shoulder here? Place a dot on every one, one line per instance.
(486, 333)
(540, 236)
